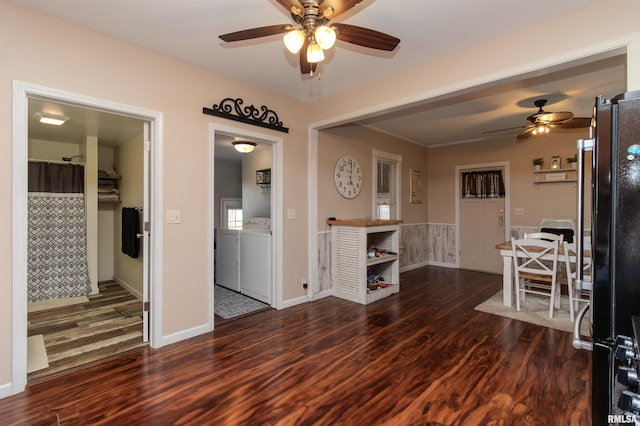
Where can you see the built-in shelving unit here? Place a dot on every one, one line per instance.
(364, 259)
(111, 197)
(549, 176)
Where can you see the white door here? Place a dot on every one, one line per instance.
(146, 257)
(481, 229)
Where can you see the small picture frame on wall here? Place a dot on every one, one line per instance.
(415, 184)
(555, 162)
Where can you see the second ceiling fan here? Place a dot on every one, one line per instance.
(312, 32)
(542, 121)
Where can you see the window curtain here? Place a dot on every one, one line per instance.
(57, 232)
(482, 184)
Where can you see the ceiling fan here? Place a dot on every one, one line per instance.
(312, 33)
(542, 121)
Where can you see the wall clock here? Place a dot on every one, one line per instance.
(348, 176)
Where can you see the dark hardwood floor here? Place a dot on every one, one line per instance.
(422, 357)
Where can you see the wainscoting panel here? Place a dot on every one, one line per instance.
(442, 244)
(324, 260)
(414, 248)
(420, 244)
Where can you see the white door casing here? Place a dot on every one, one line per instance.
(22, 92)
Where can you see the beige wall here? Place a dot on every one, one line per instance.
(90, 64)
(545, 201)
(360, 142)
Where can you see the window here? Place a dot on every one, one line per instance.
(234, 218)
(386, 185)
(231, 213)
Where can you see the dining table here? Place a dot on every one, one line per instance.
(506, 251)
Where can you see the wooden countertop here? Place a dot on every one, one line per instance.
(363, 222)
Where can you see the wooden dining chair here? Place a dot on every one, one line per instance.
(545, 236)
(535, 263)
(579, 292)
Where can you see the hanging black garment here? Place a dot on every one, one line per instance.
(130, 230)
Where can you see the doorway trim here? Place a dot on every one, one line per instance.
(22, 92)
(507, 200)
(276, 208)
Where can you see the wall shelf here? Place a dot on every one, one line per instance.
(549, 178)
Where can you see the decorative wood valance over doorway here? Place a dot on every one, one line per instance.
(233, 109)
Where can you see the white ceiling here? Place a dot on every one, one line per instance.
(188, 30)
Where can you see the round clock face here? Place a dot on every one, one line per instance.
(348, 177)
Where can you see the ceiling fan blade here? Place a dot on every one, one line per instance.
(503, 130)
(366, 37)
(339, 6)
(256, 32)
(554, 117)
(526, 133)
(574, 123)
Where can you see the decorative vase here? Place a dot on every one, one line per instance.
(574, 165)
(537, 167)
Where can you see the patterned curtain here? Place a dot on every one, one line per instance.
(482, 184)
(57, 234)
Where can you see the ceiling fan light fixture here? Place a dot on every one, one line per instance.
(325, 36)
(541, 129)
(315, 53)
(293, 41)
(244, 147)
(56, 120)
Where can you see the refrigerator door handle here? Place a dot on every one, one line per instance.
(583, 146)
(578, 343)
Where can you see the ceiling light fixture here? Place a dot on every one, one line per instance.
(541, 129)
(56, 120)
(294, 40)
(244, 146)
(312, 30)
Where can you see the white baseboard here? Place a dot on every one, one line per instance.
(293, 302)
(444, 265)
(6, 390)
(414, 266)
(185, 334)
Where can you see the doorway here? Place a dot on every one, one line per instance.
(149, 126)
(481, 220)
(256, 179)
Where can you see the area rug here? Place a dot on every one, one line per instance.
(37, 358)
(229, 304)
(534, 310)
(55, 303)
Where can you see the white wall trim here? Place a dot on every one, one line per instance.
(277, 184)
(5, 390)
(312, 201)
(22, 92)
(185, 334)
(507, 200)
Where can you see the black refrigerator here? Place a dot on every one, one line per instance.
(615, 251)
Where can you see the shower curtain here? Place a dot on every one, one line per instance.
(57, 234)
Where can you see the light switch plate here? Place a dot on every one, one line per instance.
(291, 213)
(519, 211)
(173, 216)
